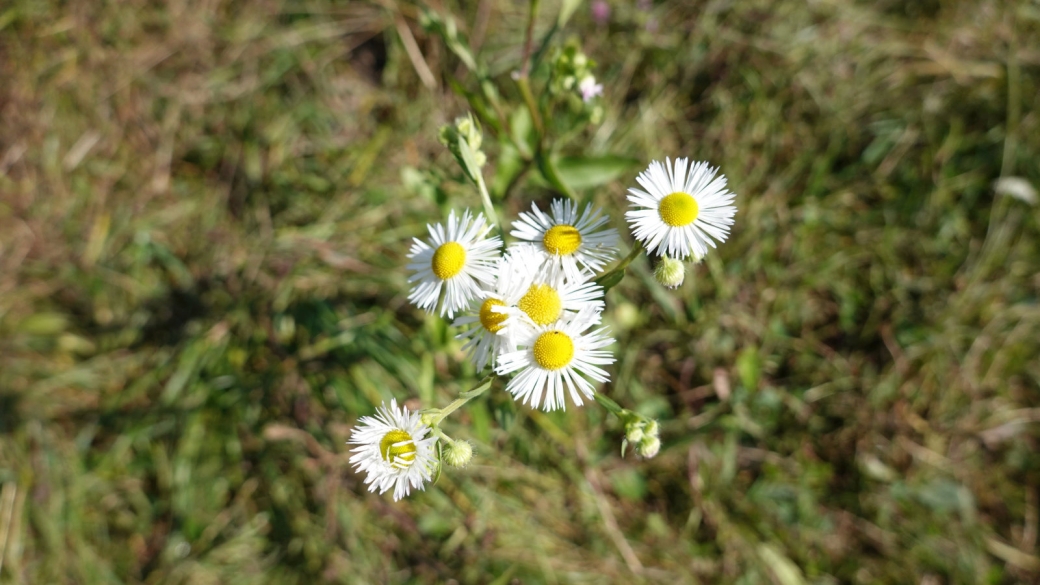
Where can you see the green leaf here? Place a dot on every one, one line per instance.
(567, 10)
(509, 166)
(43, 324)
(523, 134)
(629, 483)
(610, 279)
(749, 367)
(583, 172)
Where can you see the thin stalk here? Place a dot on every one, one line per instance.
(463, 398)
(536, 118)
(611, 277)
(609, 404)
(437, 432)
(529, 38)
(522, 77)
(489, 208)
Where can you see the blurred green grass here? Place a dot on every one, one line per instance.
(203, 226)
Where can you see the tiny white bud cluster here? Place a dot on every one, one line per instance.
(642, 433)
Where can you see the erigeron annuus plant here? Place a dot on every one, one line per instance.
(529, 311)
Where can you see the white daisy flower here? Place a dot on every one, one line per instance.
(547, 299)
(554, 360)
(516, 271)
(458, 258)
(681, 210)
(574, 242)
(393, 450)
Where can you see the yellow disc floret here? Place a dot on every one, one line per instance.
(553, 350)
(491, 320)
(397, 448)
(448, 260)
(561, 239)
(678, 209)
(541, 303)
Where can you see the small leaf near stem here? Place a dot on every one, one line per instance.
(440, 466)
(611, 279)
(551, 174)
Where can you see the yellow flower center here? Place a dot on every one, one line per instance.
(541, 303)
(448, 260)
(678, 209)
(553, 350)
(491, 320)
(561, 239)
(398, 449)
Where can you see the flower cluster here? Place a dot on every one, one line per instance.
(532, 310)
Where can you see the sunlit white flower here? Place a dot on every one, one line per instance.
(458, 258)
(547, 299)
(393, 450)
(514, 275)
(574, 242)
(680, 210)
(554, 360)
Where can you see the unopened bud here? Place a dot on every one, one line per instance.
(470, 131)
(463, 139)
(458, 454)
(648, 447)
(670, 272)
(634, 433)
(651, 428)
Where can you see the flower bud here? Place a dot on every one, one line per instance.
(670, 272)
(457, 454)
(463, 139)
(634, 433)
(648, 447)
(427, 417)
(651, 428)
(470, 131)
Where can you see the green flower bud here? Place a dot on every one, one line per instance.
(458, 454)
(648, 447)
(463, 139)
(469, 130)
(670, 272)
(428, 416)
(634, 433)
(651, 428)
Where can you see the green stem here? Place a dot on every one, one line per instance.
(609, 404)
(532, 107)
(522, 78)
(437, 432)
(529, 38)
(463, 398)
(489, 208)
(610, 277)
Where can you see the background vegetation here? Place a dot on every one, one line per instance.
(204, 212)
